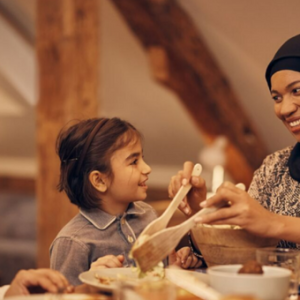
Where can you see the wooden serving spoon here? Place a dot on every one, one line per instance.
(161, 244)
(162, 222)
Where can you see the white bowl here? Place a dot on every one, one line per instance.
(273, 284)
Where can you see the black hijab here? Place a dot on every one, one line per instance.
(288, 58)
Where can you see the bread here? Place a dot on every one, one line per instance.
(251, 267)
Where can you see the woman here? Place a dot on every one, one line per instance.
(271, 207)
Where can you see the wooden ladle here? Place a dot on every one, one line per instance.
(155, 248)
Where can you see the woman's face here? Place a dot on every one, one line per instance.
(285, 90)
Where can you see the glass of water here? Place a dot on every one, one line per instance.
(285, 258)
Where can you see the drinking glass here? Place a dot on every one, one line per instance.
(285, 258)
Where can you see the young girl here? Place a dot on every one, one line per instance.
(104, 173)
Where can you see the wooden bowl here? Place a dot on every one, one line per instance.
(223, 245)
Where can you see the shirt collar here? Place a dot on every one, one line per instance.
(102, 220)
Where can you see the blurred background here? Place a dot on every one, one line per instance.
(241, 38)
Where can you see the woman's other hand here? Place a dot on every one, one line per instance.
(190, 204)
(38, 281)
(108, 261)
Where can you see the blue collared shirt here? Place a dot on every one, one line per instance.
(94, 233)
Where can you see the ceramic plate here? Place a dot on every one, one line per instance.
(126, 275)
(107, 279)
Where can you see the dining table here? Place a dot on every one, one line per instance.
(100, 295)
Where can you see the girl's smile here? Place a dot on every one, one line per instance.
(143, 184)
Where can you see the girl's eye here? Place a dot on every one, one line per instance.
(296, 91)
(135, 162)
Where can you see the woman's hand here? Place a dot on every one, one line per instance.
(40, 280)
(190, 205)
(184, 258)
(238, 208)
(108, 261)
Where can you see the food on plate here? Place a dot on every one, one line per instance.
(251, 267)
(157, 271)
(105, 280)
(155, 274)
(109, 280)
(137, 276)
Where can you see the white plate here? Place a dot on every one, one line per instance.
(128, 275)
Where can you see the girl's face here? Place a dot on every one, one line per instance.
(130, 173)
(286, 94)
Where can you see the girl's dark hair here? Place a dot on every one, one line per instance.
(82, 149)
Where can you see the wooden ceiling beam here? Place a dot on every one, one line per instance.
(181, 61)
(24, 30)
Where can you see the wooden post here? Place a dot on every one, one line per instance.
(67, 51)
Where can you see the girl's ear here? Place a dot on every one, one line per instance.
(98, 180)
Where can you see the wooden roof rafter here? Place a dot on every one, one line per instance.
(23, 29)
(180, 60)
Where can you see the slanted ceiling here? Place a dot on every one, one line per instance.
(242, 37)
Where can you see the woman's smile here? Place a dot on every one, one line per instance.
(294, 125)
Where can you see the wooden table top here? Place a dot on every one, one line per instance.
(99, 295)
(87, 289)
